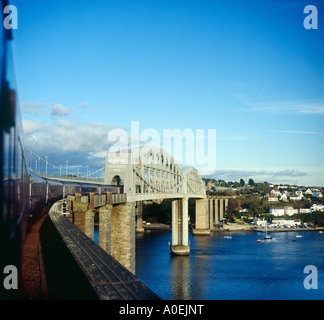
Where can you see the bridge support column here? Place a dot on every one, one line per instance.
(202, 218)
(221, 209)
(211, 213)
(180, 244)
(85, 222)
(226, 205)
(216, 211)
(139, 216)
(105, 227)
(123, 234)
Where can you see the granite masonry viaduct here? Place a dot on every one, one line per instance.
(145, 174)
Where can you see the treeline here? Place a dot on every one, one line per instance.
(259, 207)
(162, 213)
(230, 184)
(254, 204)
(315, 218)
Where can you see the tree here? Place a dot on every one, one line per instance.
(251, 182)
(242, 182)
(233, 205)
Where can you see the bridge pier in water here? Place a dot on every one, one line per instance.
(180, 243)
(217, 208)
(209, 212)
(117, 232)
(202, 218)
(139, 216)
(123, 234)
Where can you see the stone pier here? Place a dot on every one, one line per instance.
(139, 216)
(211, 213)
(217, 209)
(84, 219)
(202, 218)
(180, 244)
(117, 232)
(221, 209)
(105, 227)
(123, 234)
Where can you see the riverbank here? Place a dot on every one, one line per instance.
(230, 227)
(234, 227)
(219, 228)
(157, 227)
(287, 229)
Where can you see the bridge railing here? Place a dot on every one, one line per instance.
(71, 178)
(118, 198)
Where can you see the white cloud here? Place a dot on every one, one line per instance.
(299, 132)
(60, 110)
(258, 176)
(287, 107)
(312, 109)
(34, 108)
(30, 126)
(84, 104)
(66, 137)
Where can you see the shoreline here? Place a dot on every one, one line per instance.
(287, 229)
(231, 228)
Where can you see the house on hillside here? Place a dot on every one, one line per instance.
(275, 192)
(295, 197)
(289, 211)
(272, 198)
(260, 222)
(281, 222)
(317, 194)
(283, 197)
(299, 193)
(277, 211)
(317, 207)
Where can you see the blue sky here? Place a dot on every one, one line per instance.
(248, 69)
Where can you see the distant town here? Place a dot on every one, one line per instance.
(270, 204)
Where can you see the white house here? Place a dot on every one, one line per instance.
(286, 222)
(290, 211)
(299, 193)
(308, 191)
(317, 207)
(304, 210)
(283, 197)
(275, 192)
(272, 198)
(317, 194)
(295, 197)
(277, 211)
(260, 222)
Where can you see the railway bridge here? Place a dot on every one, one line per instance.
(144, 174)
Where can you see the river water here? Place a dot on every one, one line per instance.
(237, 268)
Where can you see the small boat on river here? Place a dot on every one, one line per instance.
(267, 236)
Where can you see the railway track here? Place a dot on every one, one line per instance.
(108, 278)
